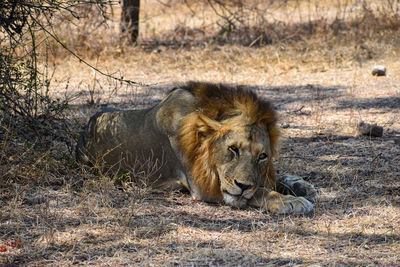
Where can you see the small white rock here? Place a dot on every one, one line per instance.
(379, 71)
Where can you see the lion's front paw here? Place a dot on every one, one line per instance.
(298, 187)
(290, 204)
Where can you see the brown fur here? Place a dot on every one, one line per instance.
(229, 108)
(198, 133)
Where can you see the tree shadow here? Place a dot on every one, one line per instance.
(279, 94)
(301, 93)
(382, 103)
(346, 165)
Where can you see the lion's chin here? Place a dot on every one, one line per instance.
(234, 201)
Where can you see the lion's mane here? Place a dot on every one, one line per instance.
(218, 109)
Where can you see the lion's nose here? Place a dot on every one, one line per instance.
(243, 186)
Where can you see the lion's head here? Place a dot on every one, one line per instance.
(228, 142)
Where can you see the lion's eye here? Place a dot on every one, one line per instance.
(263, 156)
(234, 150)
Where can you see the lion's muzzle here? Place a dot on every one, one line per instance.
(239, 194)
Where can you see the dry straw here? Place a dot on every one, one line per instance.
(313, 59)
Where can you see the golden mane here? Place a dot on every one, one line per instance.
(218, 109)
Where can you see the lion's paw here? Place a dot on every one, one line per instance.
(298, 187)
(290, 204)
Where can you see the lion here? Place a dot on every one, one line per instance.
(217, 141)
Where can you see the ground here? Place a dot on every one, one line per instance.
(55, 211)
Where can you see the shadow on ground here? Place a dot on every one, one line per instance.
(383, 103)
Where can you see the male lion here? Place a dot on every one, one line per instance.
(215, 140)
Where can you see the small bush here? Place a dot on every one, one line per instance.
(26, 107)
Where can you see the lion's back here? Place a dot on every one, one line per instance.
(130, 141)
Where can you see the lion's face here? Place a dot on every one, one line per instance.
(241, 159)
(227, 143)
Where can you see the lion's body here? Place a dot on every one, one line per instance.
(216, 141)
(132, 141)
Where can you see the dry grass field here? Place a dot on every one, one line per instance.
(54, 211)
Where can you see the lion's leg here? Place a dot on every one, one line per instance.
(280, 204)
(296, 186)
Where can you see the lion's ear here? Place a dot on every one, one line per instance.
(195, 128)
(206, 126)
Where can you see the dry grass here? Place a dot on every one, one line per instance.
(56, 212)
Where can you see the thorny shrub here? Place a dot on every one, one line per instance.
(29, 117)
